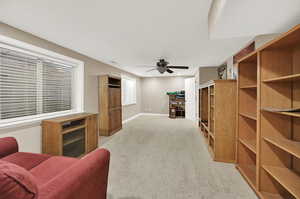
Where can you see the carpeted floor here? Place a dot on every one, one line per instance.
(155, 157)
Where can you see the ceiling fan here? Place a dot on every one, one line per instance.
(162, 66)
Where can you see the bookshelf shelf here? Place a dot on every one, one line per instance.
(250, 144)
(294, 77)
(287, 178)
(206, 128)
(254, 86)
(292, 114)
(70, 129)
(247, 115)
(287, 145)
(212, 136)
(73, 140)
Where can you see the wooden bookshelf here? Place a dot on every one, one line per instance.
(269, 139)
(216, 103)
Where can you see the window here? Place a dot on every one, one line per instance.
(128, 91)
(36, 83)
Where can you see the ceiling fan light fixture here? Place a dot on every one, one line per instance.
(162, 67)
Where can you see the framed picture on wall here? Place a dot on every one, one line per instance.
(222, 72)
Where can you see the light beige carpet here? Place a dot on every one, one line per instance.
(155, 157)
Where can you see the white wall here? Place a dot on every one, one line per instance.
(197, 82)
(29, 137)
(154, 93)
(260, 40)
(207, 73)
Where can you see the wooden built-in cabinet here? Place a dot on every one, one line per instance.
(110, 107)
(218, 118)
(73, 135)
(268, 150)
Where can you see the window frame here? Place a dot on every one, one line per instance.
(124, 77)
(78, 85)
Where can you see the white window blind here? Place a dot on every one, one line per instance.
(30, 85)
(128, 91)
(57, 87)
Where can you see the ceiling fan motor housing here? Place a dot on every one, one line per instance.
(161, 69)
(162, 63)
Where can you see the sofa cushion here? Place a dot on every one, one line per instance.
(8, 145)
(51, 168)
(16, 182)
(26, 160)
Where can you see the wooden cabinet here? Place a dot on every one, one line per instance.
(218, 118)
(114, 96)
(92, 138)
(268, 153)
(110, 105)
(73, 135)
(115, 123)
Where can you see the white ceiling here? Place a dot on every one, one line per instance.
(133, 33)
(244, 18)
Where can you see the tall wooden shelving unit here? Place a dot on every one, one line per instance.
(268, 152)
(218, 118)
(110, 105)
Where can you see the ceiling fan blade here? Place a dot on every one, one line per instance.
(178, 67)
(169, 71)
(151, 70)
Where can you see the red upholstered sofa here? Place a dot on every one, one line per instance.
(40, 176)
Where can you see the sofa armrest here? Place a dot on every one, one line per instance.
(86, 179)
(8, 145)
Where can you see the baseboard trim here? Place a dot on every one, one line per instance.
(155, 114)
(140, 114)
(131, 118)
